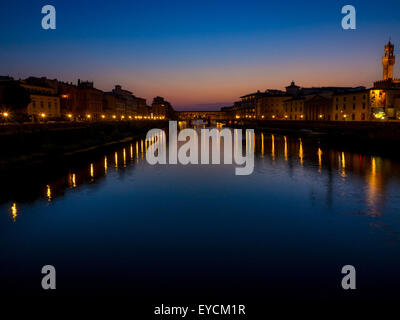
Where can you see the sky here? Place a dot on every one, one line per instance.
(198, 54)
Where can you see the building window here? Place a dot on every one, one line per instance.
(362, 116)
(344, 107)
(344, 99)
(354, 106)
(41, 104)
(363, 105)
(49, 105)
(34, 104)
(353, 117)
(354, 97)
(336, 116)
(337, 107)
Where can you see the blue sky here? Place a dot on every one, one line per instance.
(196, 53)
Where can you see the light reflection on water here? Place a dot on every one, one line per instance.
(283, 150)
(313, 195)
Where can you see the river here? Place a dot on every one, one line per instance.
(112, 224)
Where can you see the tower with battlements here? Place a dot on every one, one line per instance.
(388, 61)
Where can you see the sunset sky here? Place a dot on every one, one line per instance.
(198, 54)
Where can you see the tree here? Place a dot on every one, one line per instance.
(13, 96)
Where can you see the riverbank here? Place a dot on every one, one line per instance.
(369, 137)
(25, 146)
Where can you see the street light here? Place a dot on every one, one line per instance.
(43, 115)
(5, 114)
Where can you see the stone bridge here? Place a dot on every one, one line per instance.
(201, 115)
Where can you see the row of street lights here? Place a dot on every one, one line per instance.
(6, 115)
(114, 117)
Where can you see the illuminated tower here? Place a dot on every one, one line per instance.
(388, 61)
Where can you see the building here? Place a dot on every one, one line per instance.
(114, 106)
(294, 108)
(90, 101)
(351, 106)
(142, 109)
(271, 105)
(385, 103)
(126, 98)
(45, 102)
(293, 90)
(246, 107)
(385, 95)
(161, 109)
(69, 99)
(318, 107)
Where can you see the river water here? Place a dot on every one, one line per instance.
(111, 224)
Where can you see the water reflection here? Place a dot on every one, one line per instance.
(343, 164)
(14, 212)
(319, 160)
(273, 147)
(91, 171)
(286, 152)
(48, 193)
(289, 152)
(301, 155)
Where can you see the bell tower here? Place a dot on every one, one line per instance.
(388, 61)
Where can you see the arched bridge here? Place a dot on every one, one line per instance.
(201, 115)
